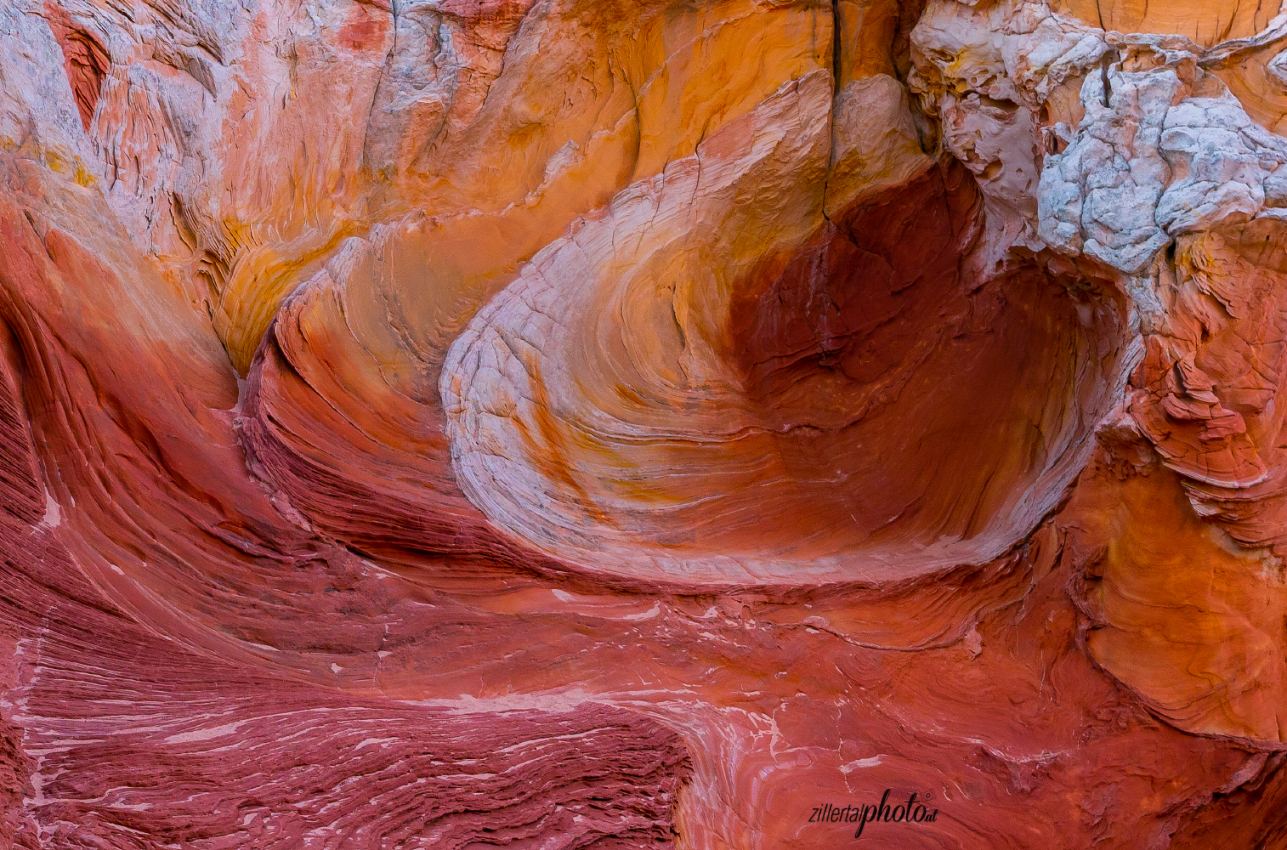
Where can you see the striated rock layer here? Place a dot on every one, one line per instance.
(438, 423)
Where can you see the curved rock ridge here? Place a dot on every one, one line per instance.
(552, 424)
(390, 304)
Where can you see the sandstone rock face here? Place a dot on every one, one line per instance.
(553, 424)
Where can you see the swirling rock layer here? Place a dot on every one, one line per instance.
(598, 425)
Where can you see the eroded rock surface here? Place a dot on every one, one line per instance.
(596, 425)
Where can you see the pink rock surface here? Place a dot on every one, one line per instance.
(604, 425)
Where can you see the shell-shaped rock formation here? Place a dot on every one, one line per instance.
(638, 400)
